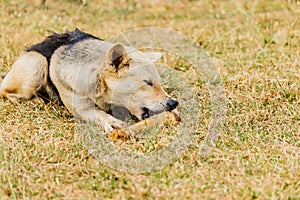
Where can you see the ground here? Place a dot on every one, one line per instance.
(255, 43)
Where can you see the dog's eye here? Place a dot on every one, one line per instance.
(148, 82)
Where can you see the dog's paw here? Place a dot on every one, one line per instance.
(113, 123)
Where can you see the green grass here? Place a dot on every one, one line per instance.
(255, 43)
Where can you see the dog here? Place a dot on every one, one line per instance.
(89, 76)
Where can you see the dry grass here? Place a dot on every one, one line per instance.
(257, 157)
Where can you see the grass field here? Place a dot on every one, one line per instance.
(257, 45)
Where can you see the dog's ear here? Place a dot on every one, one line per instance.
(153, 56)
(117, 58)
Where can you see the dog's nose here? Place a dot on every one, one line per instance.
(172, 104)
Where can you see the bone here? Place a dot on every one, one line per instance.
(164, 118)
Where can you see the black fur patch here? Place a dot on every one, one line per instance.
(56, 40)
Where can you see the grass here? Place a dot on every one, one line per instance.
(257, 44)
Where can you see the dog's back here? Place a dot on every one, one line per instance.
(54, 41)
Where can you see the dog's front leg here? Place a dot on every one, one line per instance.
(86, 109)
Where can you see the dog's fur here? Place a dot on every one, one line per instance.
(88, 75)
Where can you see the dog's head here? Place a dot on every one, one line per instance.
(132, 81)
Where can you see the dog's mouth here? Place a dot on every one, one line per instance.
(149, 113)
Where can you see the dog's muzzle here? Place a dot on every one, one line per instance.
(171, 105)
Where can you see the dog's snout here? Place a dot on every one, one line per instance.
(172, 104)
